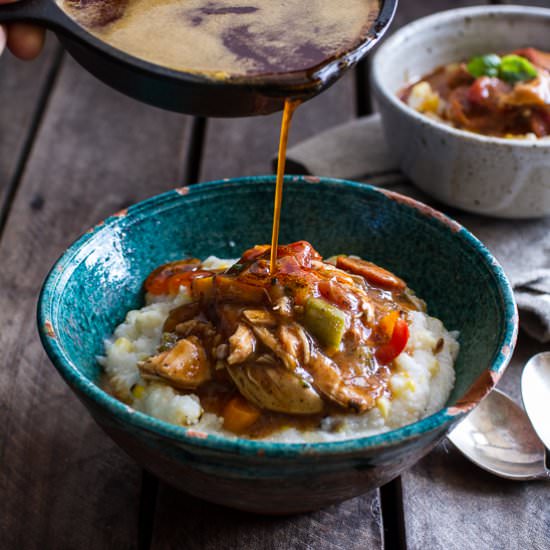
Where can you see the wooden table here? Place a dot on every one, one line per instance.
(72, 151)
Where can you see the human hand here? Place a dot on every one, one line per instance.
(25, 41)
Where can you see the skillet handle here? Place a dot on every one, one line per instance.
(40, 12)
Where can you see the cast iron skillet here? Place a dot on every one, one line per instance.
(186, 92)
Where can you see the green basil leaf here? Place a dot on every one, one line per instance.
(514, 68)
(484, 65)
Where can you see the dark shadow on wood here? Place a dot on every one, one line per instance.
(194, 151)
(393, 519)
(147, 509)
(37, 117)
(363, 101)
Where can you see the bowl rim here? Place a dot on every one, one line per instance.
(399, 40)
(64, 267)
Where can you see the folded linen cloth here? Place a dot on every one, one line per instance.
(356, 150)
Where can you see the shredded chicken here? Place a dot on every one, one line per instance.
(179, 315)
(185, 366)
(327, 379)
(294, 341)
(241, 345)
(273, 387)
(268, 339)
(260, 317)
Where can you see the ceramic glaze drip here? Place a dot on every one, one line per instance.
(229, 37)
(290, 107)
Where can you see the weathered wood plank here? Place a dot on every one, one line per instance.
(63, 483)
(451, 504)
(245, 147)
(408, 10)
(186, 522)
(22, 85)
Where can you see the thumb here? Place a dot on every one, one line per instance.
(2, 38)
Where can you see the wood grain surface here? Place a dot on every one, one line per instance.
(73, 151)
(450, 503)
(23, 89)
(246, 146)
(63, 483)
(185, 522)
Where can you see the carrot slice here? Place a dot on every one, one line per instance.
(387, 323)
(239, 415)
(233, 289)
(203, 288)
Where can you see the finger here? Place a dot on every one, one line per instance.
(25, 41)
(2, 38)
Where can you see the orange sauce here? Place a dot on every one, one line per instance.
(290, 107)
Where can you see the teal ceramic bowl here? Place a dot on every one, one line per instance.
(99, 278)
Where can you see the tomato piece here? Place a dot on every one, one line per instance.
(157, 282)
(488, 92)
(387, 352)
(458, 106)
(254, 253)
(301, 251)
(540, 123)
(178, 280)
(373, 273)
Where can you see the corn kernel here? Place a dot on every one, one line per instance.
(401, 383)
(123, 344)
(138, 391)
(423, 98)
(384, 405)
(434, 367)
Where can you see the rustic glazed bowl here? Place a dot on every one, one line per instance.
(99, 278)
(499, 177)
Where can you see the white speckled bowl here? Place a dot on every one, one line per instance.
(494, 176)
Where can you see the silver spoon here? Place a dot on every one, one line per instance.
(498, 437)
(535, 392)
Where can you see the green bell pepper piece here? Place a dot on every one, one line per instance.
(325, 321)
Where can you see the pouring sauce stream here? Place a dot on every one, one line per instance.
(290, 107)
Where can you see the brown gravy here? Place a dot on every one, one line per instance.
(229, 37)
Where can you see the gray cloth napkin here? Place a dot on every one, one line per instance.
(356, 150)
